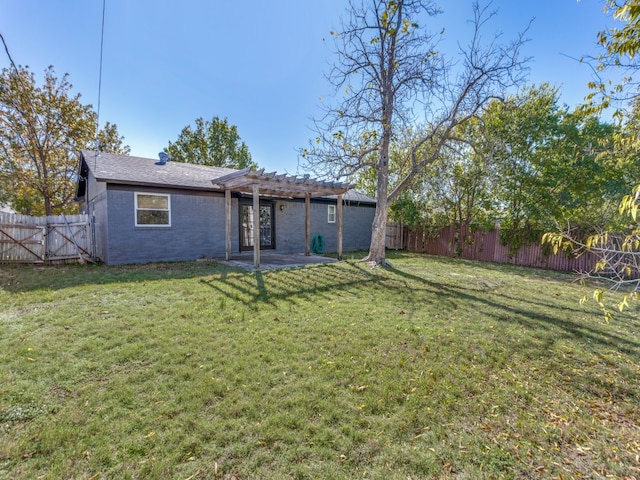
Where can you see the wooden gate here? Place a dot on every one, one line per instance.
(59, 239)
(68, 240)
(22, 243)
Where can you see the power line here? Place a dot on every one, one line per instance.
(104, 6)
(27, 91)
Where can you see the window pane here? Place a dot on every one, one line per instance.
(153, 201)
(331, 213)
(153, 217)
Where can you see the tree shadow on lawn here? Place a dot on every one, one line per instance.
(323, 282)
(589, 371)
(318, 282)
(532, 317)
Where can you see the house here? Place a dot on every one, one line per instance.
(146, 210)
(6, 208)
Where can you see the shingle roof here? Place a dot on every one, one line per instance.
(122, 169)
(129, 170)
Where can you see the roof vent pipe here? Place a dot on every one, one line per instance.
(164, 158)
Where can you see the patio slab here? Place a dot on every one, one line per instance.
(271, 261)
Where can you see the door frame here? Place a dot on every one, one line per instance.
(263, 203)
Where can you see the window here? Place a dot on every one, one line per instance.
(153, 210)
(331, 213)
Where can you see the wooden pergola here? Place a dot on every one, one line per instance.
(278, 185)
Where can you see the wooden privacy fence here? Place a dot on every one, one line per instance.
(394, 238)
(56, 239)
(486, 246)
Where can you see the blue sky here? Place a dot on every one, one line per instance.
(258, 63)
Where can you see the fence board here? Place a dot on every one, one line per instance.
(28, 239)
(394, 237)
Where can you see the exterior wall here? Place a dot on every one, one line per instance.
(95, 205)
(290, 226)
(5, 208)
(197, 228)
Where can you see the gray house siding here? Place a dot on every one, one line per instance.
(95, 205)
(197, 228)
(290, 226)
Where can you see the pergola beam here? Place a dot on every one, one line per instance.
(280, 185)
(259, 183)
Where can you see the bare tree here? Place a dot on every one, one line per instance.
(390, 76)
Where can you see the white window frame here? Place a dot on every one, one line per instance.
(152, 225)
(331, 213)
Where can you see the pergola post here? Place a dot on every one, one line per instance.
(227, 223)
(256, 225)
(307, 224)
(339, 212)
(283, 186)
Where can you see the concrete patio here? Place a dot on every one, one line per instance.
(272, 261)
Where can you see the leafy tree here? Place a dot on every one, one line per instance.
(42, 129)
(525, 162)
(212, 142)
(620, 46)
(618, 255)
(389, 75)
(550, 167)
(109, 140)
(459, 192)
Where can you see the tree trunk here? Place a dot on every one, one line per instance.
(377, 252)
(48, 207)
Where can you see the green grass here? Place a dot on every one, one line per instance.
(434, 368)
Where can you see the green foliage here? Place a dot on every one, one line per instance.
(617, 262)
(42, 130)
(109, 140)
(620, 46)
(214, 142)
(409, 209)
(457, 187)
(551, 166)
(528, 165)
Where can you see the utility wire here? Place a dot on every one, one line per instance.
(104, 6)
(27, 91)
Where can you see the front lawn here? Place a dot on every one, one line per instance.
(434, 368)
